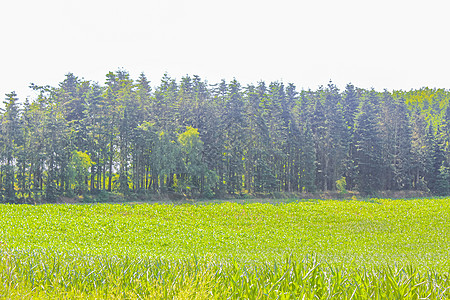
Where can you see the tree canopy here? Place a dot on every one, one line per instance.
(203, 139)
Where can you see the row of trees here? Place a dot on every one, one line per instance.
(200, 139)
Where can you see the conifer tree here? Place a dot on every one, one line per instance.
(396, 136)
(308, 161)
(11, 141)
(234, 123)
(435, 159)
(418, 149)
(368, 146)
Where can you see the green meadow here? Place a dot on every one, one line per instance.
(374, 249)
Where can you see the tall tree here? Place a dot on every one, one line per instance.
(368, 159)
(396, 140)
(11, 140)
(234, 129)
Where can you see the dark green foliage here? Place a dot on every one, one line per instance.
(368, 145)
(203, 140)
(442, 185)
(11, 143)
(308, 161)
(436, 164)
(396, 136)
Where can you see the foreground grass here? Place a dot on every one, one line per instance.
(43, 275)
(61, 275)
(326, 249)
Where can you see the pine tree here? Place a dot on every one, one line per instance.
(442, 186)
(234, 128)
(55, 135)
(139, 142)
(294, 140)
(435, 159)
(258, 173)
(418, 148)
(396, 136)
(445, 133)
(320, 134)
(350, 104)
(308, 161)
(11, 141)
(339, 137)
(368, 146)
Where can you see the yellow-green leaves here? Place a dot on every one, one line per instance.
(79, 169)
(190, 138)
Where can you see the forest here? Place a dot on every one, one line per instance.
(206, 140)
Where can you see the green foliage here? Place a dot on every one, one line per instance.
(203, 140)
(190, 140)
(443, 181)
(341, 185)
(79, 170)
(368, 146)
(54, 275)
(335, 230)
(195, 175)
(365, 249)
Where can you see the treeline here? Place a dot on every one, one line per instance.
(207, 140)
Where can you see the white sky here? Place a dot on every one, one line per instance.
(393, 44)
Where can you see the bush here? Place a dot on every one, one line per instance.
(341, 185)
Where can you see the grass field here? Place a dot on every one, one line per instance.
(377, 249)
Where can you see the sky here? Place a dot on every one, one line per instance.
(384, 44)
